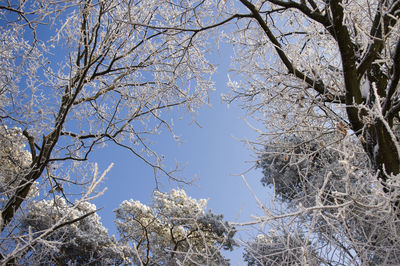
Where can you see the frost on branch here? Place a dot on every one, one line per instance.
(56, 231)
(331, 202)
(286, 249)
(296, 167)
(83, 242)
(174, 230)
(15, 160)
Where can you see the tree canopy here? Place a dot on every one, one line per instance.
(77, 75)
(321, 77)
(174, 230)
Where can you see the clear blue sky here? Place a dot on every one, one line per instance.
(213, 153)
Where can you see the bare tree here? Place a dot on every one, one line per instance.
(76, 75)
(322, 79)
(323, 67)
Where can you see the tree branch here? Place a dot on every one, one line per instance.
(31, 141)
(346, 48)
(317, 85)
(377, 36)
(313, 14)
(388, 111)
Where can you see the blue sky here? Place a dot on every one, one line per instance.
(212, 152)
